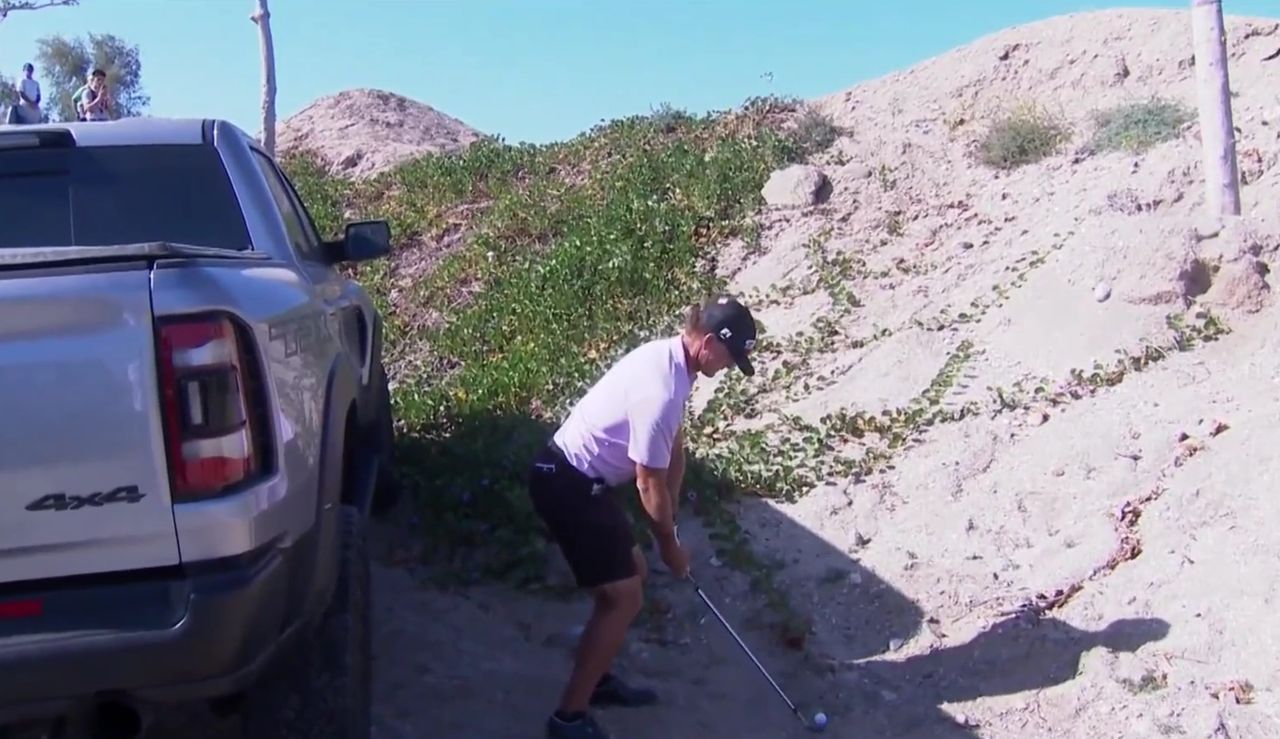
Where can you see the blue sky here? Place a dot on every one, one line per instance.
(530, 70)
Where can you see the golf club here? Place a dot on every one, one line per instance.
(819, 721)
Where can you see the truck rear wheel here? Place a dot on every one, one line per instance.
(324, 689)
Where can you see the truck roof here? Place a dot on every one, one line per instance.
(135, 131)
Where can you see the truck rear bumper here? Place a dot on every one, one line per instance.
(233, 624)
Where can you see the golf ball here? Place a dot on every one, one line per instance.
(820, 720)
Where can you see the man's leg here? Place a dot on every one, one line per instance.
(616, 605)
(612, 691)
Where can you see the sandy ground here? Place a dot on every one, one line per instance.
(362, 132)
(918, 578)
(1105, 566)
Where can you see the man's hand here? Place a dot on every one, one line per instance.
(674, 556)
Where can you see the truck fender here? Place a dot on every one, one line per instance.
(320, 568)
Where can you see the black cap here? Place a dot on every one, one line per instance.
(733, 325)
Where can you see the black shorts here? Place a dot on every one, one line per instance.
(593, 531)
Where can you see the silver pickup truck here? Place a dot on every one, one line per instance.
(195, 428)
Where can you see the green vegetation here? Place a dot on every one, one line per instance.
(522, 271)
(1136, 127)
(574, 253)
(1026, 135)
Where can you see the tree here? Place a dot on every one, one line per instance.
(8, 6)
(1217, 130)
(8, 93)
(262, 17)
(66, 64)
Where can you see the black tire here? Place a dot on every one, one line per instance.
(386, 490)
(324, 689)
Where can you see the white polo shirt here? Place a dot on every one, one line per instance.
(29, 87)
(631, 415)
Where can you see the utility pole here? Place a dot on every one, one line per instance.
(1217, 130)
(262, 17)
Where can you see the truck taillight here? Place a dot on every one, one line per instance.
(207, 396)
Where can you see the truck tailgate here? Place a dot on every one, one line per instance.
(83, 476)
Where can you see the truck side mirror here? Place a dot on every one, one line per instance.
(364, 241)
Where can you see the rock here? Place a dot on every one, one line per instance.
(964, 245)
(1101, 292)
(1240, 286)
(799, 185)
(856, 171)
(1122, 70)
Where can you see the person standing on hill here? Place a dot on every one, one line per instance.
(27, 109)
(627, 427)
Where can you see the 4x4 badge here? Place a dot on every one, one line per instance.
(64, 502)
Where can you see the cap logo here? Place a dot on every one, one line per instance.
(749, 344)
(725, 333)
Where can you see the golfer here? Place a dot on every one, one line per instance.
(627, 427)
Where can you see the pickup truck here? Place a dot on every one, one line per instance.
(196, 429)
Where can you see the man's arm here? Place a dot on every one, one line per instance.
(652, 483)
(675, 472)
(651, 448)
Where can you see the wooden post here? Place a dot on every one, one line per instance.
(262, 17)
(1217, 131)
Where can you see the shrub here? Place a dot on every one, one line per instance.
(1138, 126)
(1024, 136)
(815, 131)
(669, 118)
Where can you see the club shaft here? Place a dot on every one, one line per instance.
(736, 638)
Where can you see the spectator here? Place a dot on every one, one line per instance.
(92, 100)
(27, 110)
